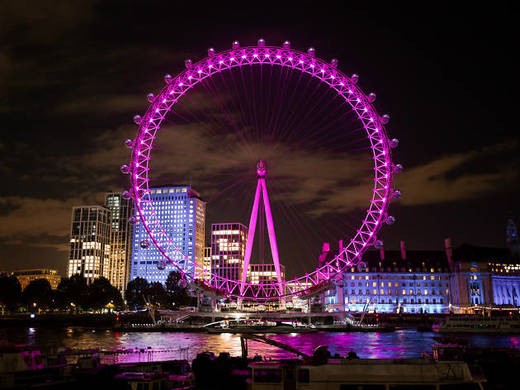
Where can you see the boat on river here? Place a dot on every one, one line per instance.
(254, 326)
(380, 374)
(351, 324)
(479, 324)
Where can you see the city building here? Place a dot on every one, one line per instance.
(228, 246)
(206, 264)
(462, 280)
(26, 276)
(89, 253)
(485, 277)
(182, 214)
(395, 281)
(120, 239)
(264, 273)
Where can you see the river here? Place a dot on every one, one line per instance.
(399, 344)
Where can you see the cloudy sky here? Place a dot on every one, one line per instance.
(73, 74)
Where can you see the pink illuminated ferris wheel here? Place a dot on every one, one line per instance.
(328, 75)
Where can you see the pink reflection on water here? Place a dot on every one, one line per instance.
(398, 344)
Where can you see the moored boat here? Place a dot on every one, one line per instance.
(254, 326)
(363, 374)
(351, 324)
(478, 324)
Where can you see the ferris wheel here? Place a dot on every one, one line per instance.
(329, 76)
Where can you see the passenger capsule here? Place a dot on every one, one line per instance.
(311, 51)
(372, 97)
(334, 62)
(182, 283)
(168, 78)
(261, 42)
(236, 45)
(132, 219)
(144, 244)
(390, 220)
(137, 119)
(287, 45)
(211, 52)
(125, 169)
(396, 194)
(354, 78)
(385, 119)
(161, 265)
(150, 97)
(188, 64)
(394, 143)
(126, 195)
(398, 168)
(378, 244)
(129, 143)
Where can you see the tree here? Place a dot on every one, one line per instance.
(38, 293)
(10, 292)
(134, 293)
(101, 292)
(157, 296)
(177, 294)
(72, 293)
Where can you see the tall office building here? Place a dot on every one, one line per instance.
(182, 214)
(89, 253)
(120, 239)
(228, 248)
(207, 264)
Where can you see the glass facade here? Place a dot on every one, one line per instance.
(89, 253)
(183, 215)
(228, 249)
(207, 264)
(120, 239)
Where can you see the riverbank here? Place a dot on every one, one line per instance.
(60, 320)
(140, 321)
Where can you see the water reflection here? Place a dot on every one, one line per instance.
(398, 344)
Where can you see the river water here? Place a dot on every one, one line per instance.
(169, 345)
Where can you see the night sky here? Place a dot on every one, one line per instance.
(73, 74)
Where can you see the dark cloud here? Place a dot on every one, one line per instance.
(39, 222)
(74, 73)
(442, 181)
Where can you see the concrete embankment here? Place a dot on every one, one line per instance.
(60, 320)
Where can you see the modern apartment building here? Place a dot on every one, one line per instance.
(120, 239)
(89, 253)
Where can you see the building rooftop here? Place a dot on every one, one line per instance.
(415, 260)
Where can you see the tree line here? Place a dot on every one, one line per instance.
(74, 294)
